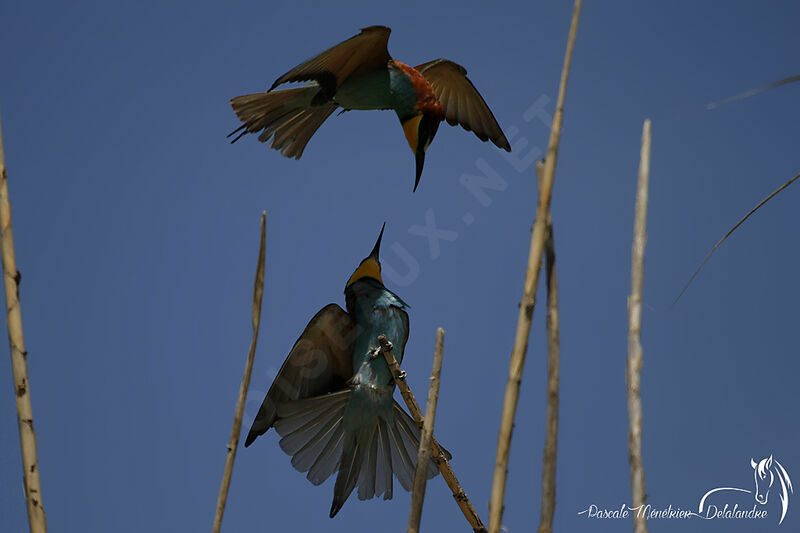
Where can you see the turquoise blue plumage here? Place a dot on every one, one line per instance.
(332, 401)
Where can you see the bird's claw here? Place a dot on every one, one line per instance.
(374, 353)
(389, 345)
(401, 374)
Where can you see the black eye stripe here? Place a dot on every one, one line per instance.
(427, 129)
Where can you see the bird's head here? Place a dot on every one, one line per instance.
(370, 267)
(420, 130)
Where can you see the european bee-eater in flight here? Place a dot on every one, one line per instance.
(359, 73)
(331, 401)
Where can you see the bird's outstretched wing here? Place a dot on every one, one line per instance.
(361, 53)
(320, 362)
(462, 102)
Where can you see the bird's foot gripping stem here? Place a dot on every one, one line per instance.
(376, 351)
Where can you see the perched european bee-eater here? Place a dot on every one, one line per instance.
(331, 401)
(359, 73)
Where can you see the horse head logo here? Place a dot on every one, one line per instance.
(765, 472)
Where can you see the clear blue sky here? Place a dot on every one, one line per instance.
(136, 228)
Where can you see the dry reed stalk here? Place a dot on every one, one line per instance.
(19, 364)
(553, 361)
(529, 294)
(634, 369)
(438, 455)
(424, 454)
(753, 92)
(233, 444)
(734, 228)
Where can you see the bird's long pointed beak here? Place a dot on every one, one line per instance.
(420, 162)
(377, 248)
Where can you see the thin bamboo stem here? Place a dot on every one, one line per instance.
(439, 456)
(529, 294)
(553, 362)
(634, 370)
(19, 364)
(233, 444)
(424, 454)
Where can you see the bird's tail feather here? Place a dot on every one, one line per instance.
(375, 451)
(287, 117)
(313, 433)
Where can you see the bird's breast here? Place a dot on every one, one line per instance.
(370, 90)
(369, 365)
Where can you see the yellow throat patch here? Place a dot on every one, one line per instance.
(411, 129)
(369, 268)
